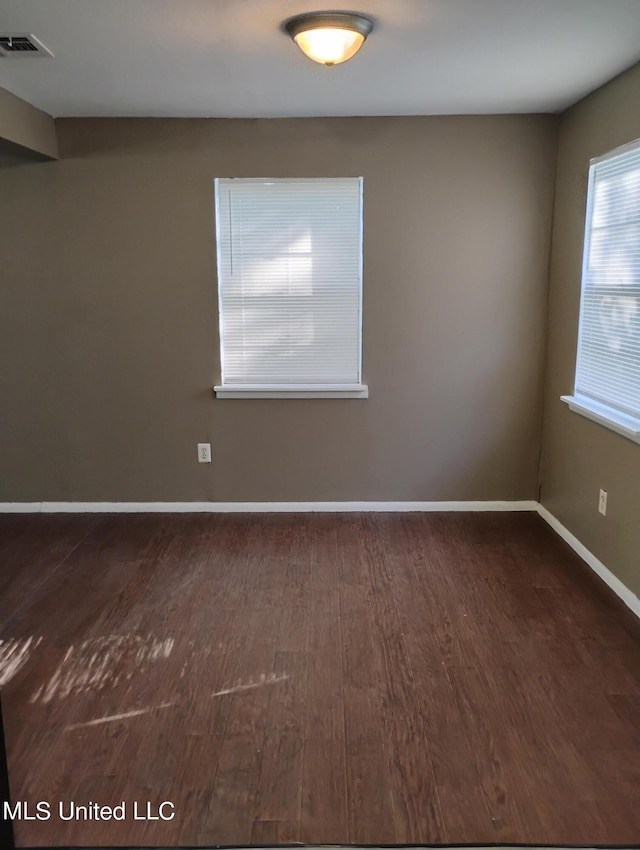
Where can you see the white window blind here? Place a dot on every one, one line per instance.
(289, 280)
(608, 361)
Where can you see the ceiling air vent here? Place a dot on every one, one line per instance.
(20, 44)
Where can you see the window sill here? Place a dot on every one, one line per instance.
(292, 391)
(627, 426)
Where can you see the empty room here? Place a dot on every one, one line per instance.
(319, 423)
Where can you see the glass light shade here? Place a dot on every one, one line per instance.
(329, 45)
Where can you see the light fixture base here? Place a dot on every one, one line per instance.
(353, 21)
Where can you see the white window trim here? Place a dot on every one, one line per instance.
(609, 417)
(627, 426)
(292, 391)
(243, 391)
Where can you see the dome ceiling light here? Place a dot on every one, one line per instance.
(329, 37)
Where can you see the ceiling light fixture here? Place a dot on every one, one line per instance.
(329, 37)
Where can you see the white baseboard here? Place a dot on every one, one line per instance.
(256, 507)
(628, 597)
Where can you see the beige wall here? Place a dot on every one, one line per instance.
(579, 456)
(27, 127)
(108, 319)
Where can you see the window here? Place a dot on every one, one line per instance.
(290, 288)
(607, 382)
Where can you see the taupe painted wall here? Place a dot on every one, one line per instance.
(108, 321)
(579, 456)
(27, 127)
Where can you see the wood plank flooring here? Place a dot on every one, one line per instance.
(324, 678)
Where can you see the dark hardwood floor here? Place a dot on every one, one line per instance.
(363, 678)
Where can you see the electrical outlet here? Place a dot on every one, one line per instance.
(602, 503)
(204, 452)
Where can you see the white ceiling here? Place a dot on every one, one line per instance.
(229, 57)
